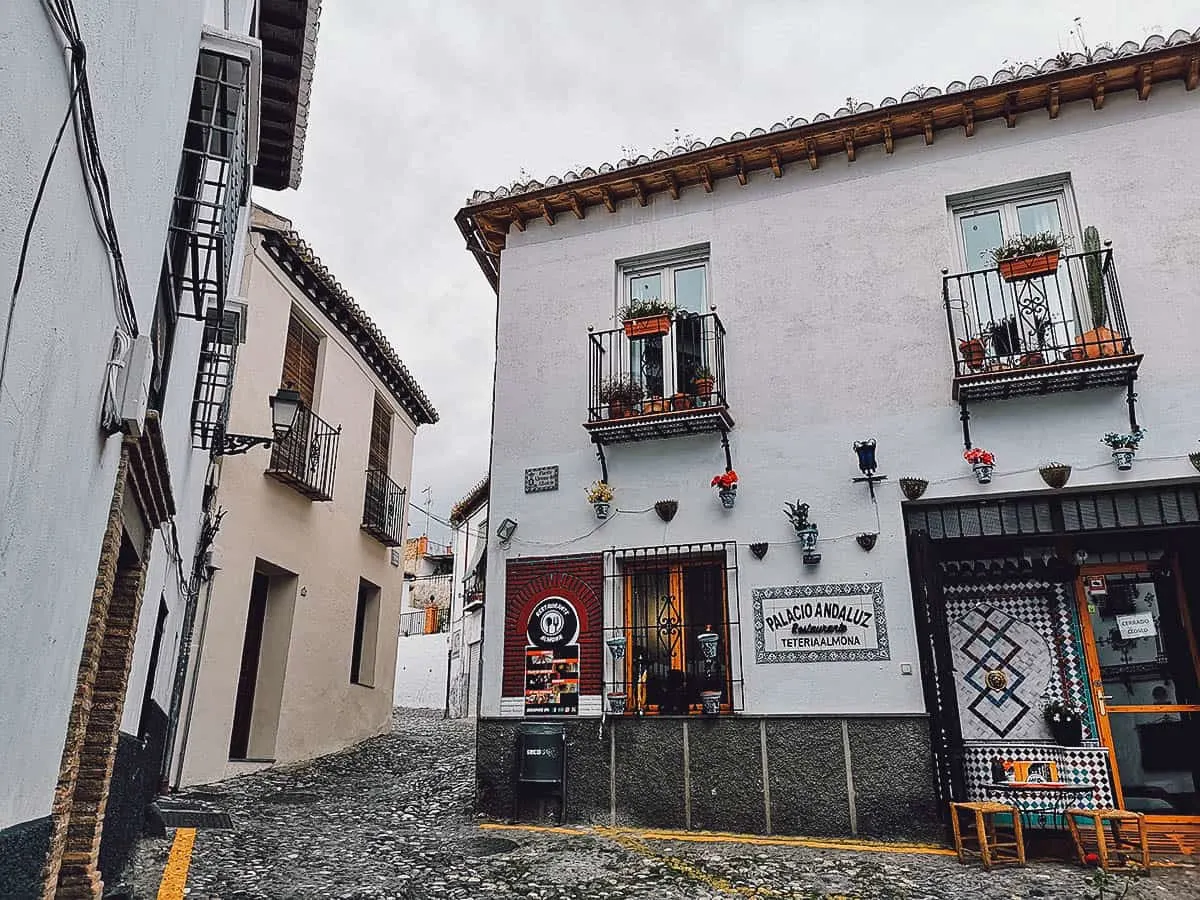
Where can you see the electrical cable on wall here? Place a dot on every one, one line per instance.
(81, 111)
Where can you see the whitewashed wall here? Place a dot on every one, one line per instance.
(421, 661)
(465, 627)
(829, 284)
(57, 471)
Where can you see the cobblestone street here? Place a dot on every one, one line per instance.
(392, 818)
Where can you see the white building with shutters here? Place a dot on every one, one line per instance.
(300, 621)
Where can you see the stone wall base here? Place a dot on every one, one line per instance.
(820, 776)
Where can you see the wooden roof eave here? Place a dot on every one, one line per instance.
(486, 224)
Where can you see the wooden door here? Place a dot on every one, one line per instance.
(1144, 668)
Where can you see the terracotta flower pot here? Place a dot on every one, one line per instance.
(972, 353)
(1033, 358)
(704, 386)
(619, 409)
(681, 401)
(655, 405)
(648, 326)
(1029, 266)
(1100, 342)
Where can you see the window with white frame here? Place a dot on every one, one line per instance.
(667, 364)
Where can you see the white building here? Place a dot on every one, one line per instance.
(103, 486)
(852, 682)
(467, 595)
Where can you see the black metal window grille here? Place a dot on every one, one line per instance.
(660, 601)
(211, 188)
(306, 458)
(214, 375)
(383, 508)
(682, 370)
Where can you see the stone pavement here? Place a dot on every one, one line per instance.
(391, 818)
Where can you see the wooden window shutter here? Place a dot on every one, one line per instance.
(381, 436)
(300, 360)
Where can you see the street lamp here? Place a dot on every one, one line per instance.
(284, 407)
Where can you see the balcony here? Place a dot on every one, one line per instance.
(473, 590)
(1061, 330)
(306, 458)
(383, 509)
(659, 386)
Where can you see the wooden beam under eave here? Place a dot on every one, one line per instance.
(607, 197)
(848, 142)
(739, 169)
(639, 192)
(517, 218)
(1053, 99)
(1098, 90)
(927, 121)
(889, 142)
(672, 185)
(706, 178)
(1145, 79)
(547, 213)
(813, 159)
(1193, 73)
(776, 164)
(969, 119)
(576, 205)
(1010, 109)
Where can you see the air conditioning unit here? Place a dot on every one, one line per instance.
(134, 391)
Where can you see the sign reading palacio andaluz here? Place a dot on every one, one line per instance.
(820, 623)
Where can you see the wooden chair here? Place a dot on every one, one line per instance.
(995, 849)
(1122, 847)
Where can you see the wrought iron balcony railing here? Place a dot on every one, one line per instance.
(473, 586)
(383, 508)
(660, 385)
(307, 457)
(1061, 329)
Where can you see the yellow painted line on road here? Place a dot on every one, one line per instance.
(722, 837)
(175, 875)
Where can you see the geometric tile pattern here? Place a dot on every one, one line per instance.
(1077, 765)
(987, 640)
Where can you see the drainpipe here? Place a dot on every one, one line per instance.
(450, 629)
(187, 719)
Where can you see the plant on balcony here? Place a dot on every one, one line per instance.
(1124, 446)
(1065, 723)
(726, 486)
(621, 396)
(704, 382)
(1005, 336)
(1028, 255)
(972, 352)
(982, 461)
(646, 318)
(600, 495)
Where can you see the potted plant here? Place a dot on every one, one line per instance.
(1065, 723)
(913, 488)
(982, 461)
(972, 352)
(726, 486)
(600, 495)
(704, 382)
(621, 396)
(616, 703)
(1028, 255)
(1194, 459)
(710, 695)
(1055, 474)
(806, 531)
(1124, 446)
(1005, 336)
(646, 318)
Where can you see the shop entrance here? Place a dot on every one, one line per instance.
(1144, 667)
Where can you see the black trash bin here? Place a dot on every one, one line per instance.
(541, 764)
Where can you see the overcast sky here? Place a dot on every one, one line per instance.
(416, 104)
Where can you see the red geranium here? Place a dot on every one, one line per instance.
(977, 456)
(726, 482)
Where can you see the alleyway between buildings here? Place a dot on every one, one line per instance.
(392, 818)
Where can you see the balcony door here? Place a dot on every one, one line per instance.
(667, 365)
(1013, 318)
(1142, 658)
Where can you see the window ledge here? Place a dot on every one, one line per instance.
(699, 420)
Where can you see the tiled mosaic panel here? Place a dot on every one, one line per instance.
(1078, 765)
(1047, 610)
(986, 640)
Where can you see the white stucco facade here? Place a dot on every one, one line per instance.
(467, 603)
(57, 468)
(829, 284)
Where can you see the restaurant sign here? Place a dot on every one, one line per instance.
(820, 623)
(552, 659)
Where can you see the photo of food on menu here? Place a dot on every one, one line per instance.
(552, 681)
